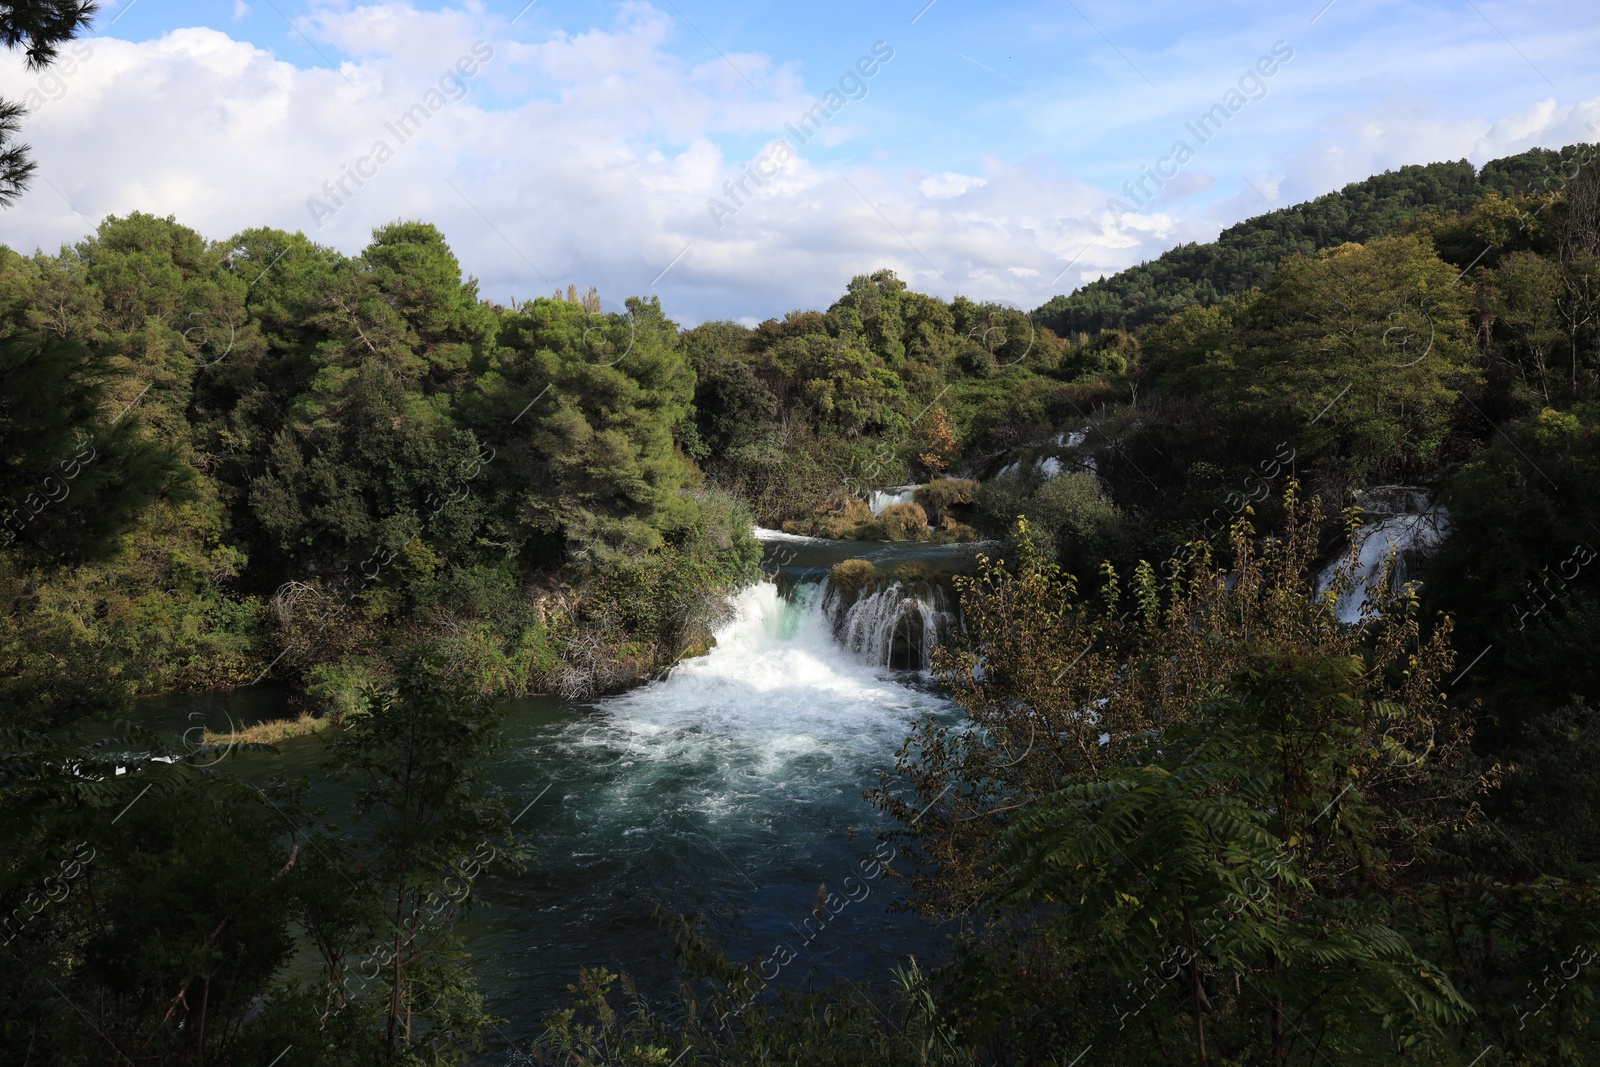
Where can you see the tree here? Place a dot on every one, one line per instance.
(1248, 254)
(417, 754)
(1056, 682)
(1384, 320)
(939, 442)
(148, 901)
(38, 27)
(1212, 850)
(76, 472)
(1527, 288)
(586, 405)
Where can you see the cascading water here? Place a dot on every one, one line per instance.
(1402, 522)
(895, 626)
(777, 667)
(879, 499)
(730, 789)
(1065, 451)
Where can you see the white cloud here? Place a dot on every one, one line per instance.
(592, 155)
(943, 186)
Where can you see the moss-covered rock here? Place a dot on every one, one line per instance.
(955, 532)
(937, 498)
(852, 578)
(916, 571)
(904, 522)
(842, 519)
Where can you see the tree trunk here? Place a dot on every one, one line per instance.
(1195, 992)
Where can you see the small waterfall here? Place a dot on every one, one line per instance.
(896, 626)
(1065, 451)
(1402, 522)
(879, 499)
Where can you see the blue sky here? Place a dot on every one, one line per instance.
(594, 145)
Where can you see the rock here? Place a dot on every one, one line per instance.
(852, 578)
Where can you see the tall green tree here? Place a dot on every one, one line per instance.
(39, 28)
(77, 472)
(417, 754)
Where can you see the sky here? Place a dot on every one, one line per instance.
(1005, 151)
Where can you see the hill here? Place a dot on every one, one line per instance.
(1247, 254)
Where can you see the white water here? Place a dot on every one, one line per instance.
(730, 789)
(890, 625)
(879, 499)
(1049, 466)
(777, 703)
(761, 533)
(1406, 534)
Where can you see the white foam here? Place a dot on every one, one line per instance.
(1403, 534)
(776, 684)
(882, 498)
(761, 533)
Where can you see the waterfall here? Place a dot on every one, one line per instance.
(1401, 522)
(729, 788)
(1064, 451)
(879, 499)
(776, 676)
(895, 626)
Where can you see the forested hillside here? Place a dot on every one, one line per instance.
(1247, 254)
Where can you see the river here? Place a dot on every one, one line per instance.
(731, 789)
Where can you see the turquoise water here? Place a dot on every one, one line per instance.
(729, 790)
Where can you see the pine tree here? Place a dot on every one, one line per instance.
(37, 27)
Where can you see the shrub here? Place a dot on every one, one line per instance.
(904, 522)
(853, 577)
(841, 519)
(937, 496)
(1078, 522)
(915, 571)
(951, 530)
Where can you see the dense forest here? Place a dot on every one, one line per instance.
(1191, 815)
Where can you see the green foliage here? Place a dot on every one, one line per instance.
(939, 496)
(39, 28)
(1357, 355)
(147, 898)
(1071, 520)
(1518, 572)
(1207, 850)
(590, 465)
(715, 1022)
(162, 901)
(75, 474)
(417, 756)
(1246, 256)
(1212, 818)
(304, 460)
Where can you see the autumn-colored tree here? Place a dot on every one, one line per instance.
(940, 444)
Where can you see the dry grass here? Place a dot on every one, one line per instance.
(853, 577)
(904, 522)
(270, 733)
(937, 496)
